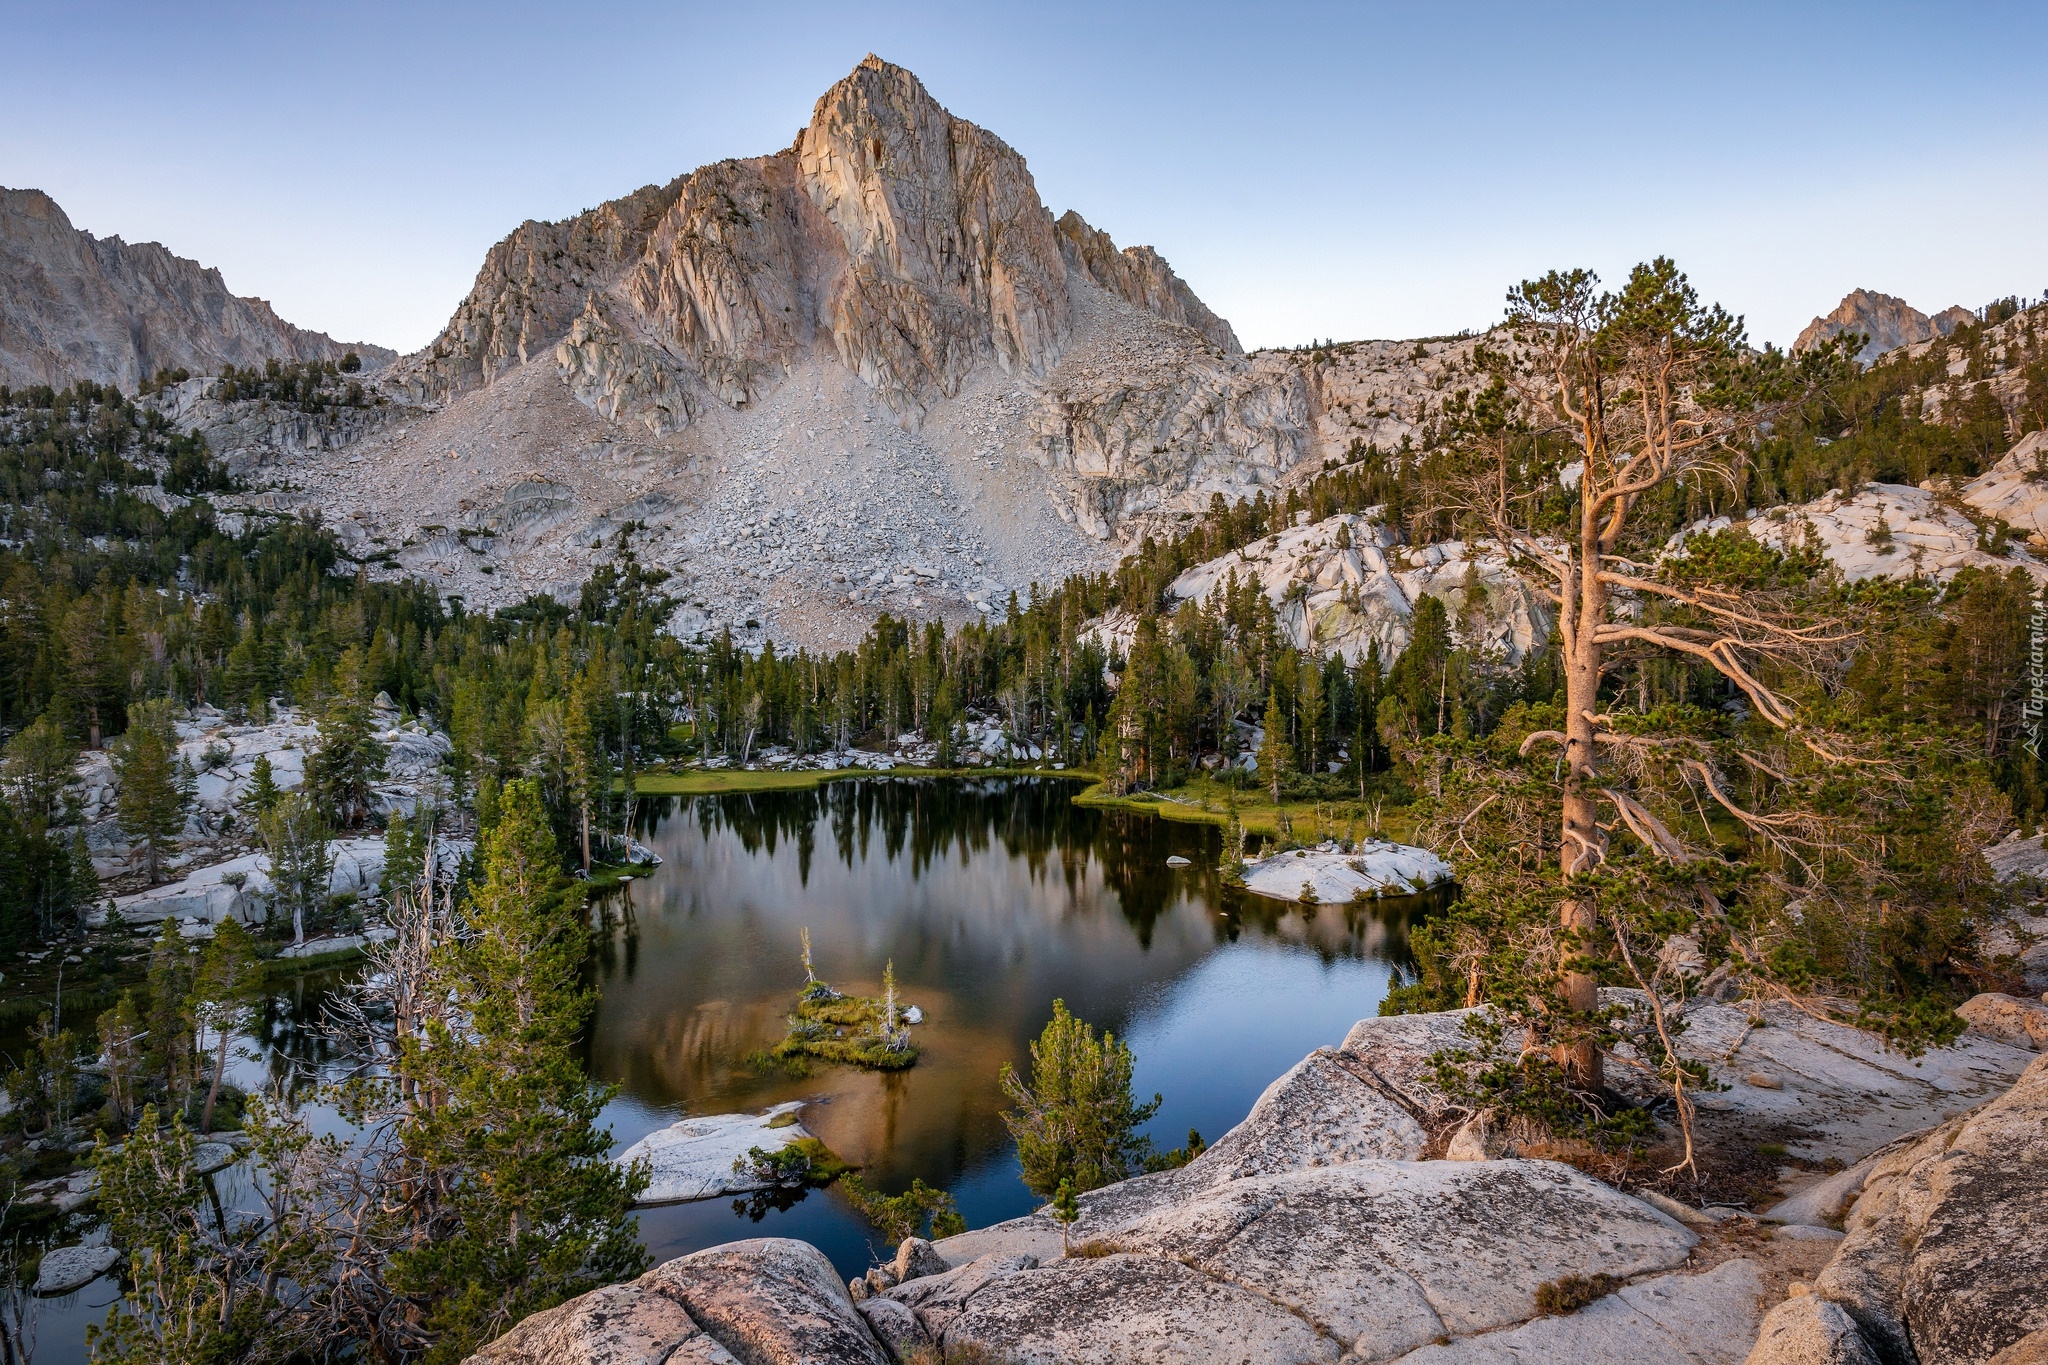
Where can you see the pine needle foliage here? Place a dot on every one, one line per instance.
(1074, 1119)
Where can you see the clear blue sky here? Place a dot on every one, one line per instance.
(1313, 170)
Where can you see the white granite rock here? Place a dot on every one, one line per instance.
(2013, 490)
(621, 1324)
(693, 1158)
(895, 1325)
(1131, 1310)
(1947, 1248)
(770, 1301)
(1809, 1330)
(1706, 1319)
(1344, 599)
(1376, 868)
(1325, 1111)
(68, 1268)
(211, 894)
(1886, 530)
(2007, 1019)
(1389, 1255)
(1854, 1094)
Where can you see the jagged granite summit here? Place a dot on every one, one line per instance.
(909, 242)
(74, 306)
(1888, 322)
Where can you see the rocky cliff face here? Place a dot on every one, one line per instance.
(1140, 276)
(911, 242)
(1887, 321)
(531, 287)
(74, 306)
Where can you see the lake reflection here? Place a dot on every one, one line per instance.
(992, 897)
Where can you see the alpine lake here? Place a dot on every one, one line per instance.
(991, 897)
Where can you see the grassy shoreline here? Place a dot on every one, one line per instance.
(716, 781)
(1201, 800)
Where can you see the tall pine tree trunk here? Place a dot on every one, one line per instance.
(220, 1067)
(1584, 845)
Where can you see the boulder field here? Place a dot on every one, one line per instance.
(1358, 1216)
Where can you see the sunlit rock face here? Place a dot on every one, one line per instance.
(1887, 322)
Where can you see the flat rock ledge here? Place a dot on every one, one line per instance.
(70, 1268)
(1316, 1231)
(693, 1158)
(1375, 868)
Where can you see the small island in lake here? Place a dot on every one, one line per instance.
(858, 1030)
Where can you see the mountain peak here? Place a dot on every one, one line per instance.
(1889, 322)
(910, 242)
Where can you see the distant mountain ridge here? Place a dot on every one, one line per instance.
(1887, 321)
(74, 306)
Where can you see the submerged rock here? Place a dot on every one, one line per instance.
(693, 1158)
(69, 1268)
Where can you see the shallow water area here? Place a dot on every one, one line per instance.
(992, 898)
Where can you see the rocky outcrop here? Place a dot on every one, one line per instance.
(1316, 1232)
(1140, 276)
(1329, 874)
(1142, 419)
(623, 379)
(222, 754)
(1946, 1258)
(1887, 530)
(2015, 490)
(770, 1301)
(696, 1158)
(1042, 391)
(249, 435)
(2007, 1019)
(532, 285)
(1808, 1330)
(240, 888)
(1655, 1321)
(1131, 1308)
(1345, 584)
(949, 253)
(1887, 322)
(911, 242)
(74, 306)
